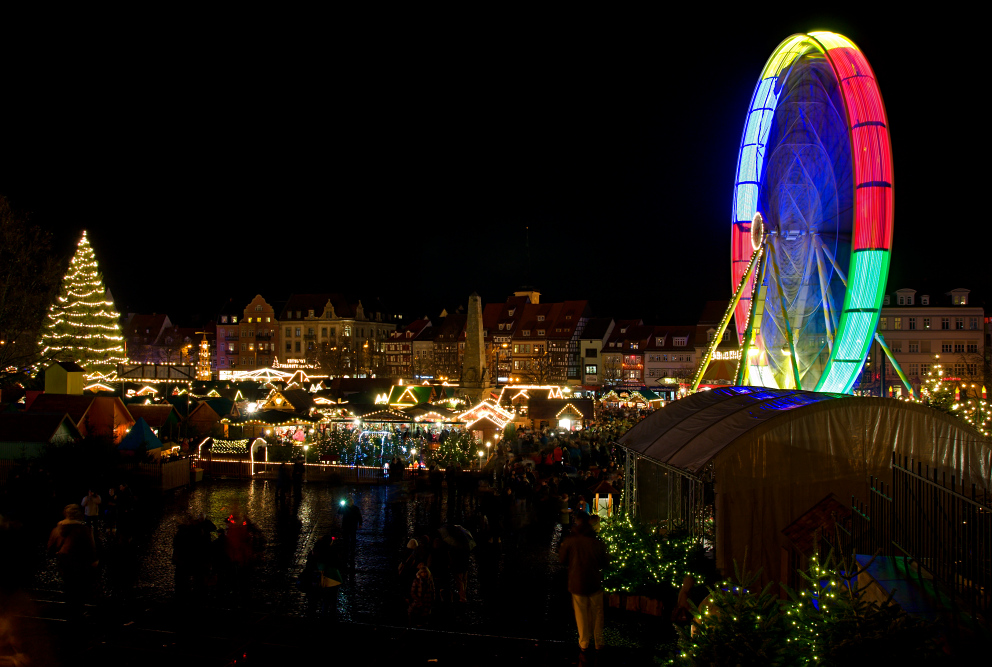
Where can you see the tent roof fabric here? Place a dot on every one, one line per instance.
(140, 434)
(688, 433)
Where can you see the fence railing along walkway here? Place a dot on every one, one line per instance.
(941, 524)
(233, 468)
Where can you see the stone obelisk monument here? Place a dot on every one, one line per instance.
(475, 379)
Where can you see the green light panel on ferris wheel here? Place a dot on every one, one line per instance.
(866, 285)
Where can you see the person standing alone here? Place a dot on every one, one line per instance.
(586, 556)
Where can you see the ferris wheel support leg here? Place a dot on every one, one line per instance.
(743, 364)
(726, 319)
(840, 271)
(828, 303)
(895, 364)
(785, 319)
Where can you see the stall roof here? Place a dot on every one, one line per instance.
(689, 432)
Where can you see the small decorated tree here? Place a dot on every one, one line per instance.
(82, 324)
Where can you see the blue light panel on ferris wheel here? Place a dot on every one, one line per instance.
(759, 123)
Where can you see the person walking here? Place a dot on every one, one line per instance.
(71, 541)
(91, 508)
(351, 521)
(586, 556)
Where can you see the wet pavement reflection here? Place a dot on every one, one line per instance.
(514, 589)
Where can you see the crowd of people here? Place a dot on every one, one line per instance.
(537, 482)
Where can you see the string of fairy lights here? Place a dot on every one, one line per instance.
(961, 399)
(79, 327)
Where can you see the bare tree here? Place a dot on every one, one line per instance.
(29, 278)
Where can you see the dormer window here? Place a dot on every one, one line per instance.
(526, 332)
(500, 326)
(909, 300)
(623, 330)
(680, 340)
(511, 311)
(885, 302)
(902, 300)
(234, 319)
(311, 312)
(540, 332)
(612, 344)
(540, 318)
(925, 300)
(633, 346)
(223, 319)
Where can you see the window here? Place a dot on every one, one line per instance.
(972, 346)
(959, 323)
(309, 331)
(958, 370)
(299, 331)
(592, 353)
(540, 332)
(268, 319)
(883, 323)
(925, 300)
(680, 340)
(310, 313)
(592, 369)
(914, 370)
(334, 332)
(972, 369)
(297, 346)
(945, 323)
(945, 348)
(926, 322)
(526, 332)
(297, 314)
(223, 319)
(633, 346)
(895, 346)
(914, 346)
(897, 323)
(234, 319)
(249, 320)
(912, 324)
(540, 318)
(924, 369)
(902, 300)
(243, 347)
(973, 323)
(959, 348)
(258, 309)
(323, 332)
(289, 332)
(909, 300)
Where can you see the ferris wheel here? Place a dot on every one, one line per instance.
(811, 230)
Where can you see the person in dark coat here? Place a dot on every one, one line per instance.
(586, 556)
(71, 541)
(351, 521)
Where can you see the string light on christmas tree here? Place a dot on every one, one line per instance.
(82, 325)
(946, 396)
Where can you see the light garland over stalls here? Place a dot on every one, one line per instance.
(82, 325)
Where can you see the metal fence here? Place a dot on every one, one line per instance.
(657, 493)
(238, 468)
(942, 525)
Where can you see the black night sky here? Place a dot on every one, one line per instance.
(405, 156)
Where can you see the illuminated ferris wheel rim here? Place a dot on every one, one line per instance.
(871, 242)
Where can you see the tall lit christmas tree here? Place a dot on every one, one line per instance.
(82, 325)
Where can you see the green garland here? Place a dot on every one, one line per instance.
(646, 562)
